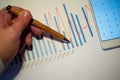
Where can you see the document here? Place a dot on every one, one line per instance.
(55, 60)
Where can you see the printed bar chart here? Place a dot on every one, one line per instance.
(76, 26)
(74, 31)
(48, 46)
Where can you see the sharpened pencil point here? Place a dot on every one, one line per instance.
(66, 39)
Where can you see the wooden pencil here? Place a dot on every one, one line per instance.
(39, 25)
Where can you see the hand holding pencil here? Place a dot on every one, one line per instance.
(39, 25)
(15, 34)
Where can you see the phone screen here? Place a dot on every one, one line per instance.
(107, 16)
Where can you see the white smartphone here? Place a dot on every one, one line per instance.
(107, 20)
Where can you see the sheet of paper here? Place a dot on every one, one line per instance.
(51, 59)
(70, 18)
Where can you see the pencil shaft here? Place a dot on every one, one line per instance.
(47, 29)
(38, 24)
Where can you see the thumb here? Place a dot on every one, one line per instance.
(21, 22)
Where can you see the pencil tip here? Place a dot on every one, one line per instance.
(66, 39)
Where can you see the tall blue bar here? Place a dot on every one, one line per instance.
(36, 48)
(66, 43)
(28, 55)
(91, 33)
(80, 28)
(65, 9)
(76, 30)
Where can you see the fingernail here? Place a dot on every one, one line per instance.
(26, 14)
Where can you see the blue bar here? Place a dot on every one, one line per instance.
(40, 47)
(48, 25)
(56, 24)
(33, 55)
(36, 48)
(75, 29)
(43, 41)
(28, 55)
(80, 28)
(49, 47)
(54, 44)
(87, 22)
(66, 43)
(46, 19)
(69, 22)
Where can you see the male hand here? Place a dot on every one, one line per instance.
(15, 33)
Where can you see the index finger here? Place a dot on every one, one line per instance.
(6, 18)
